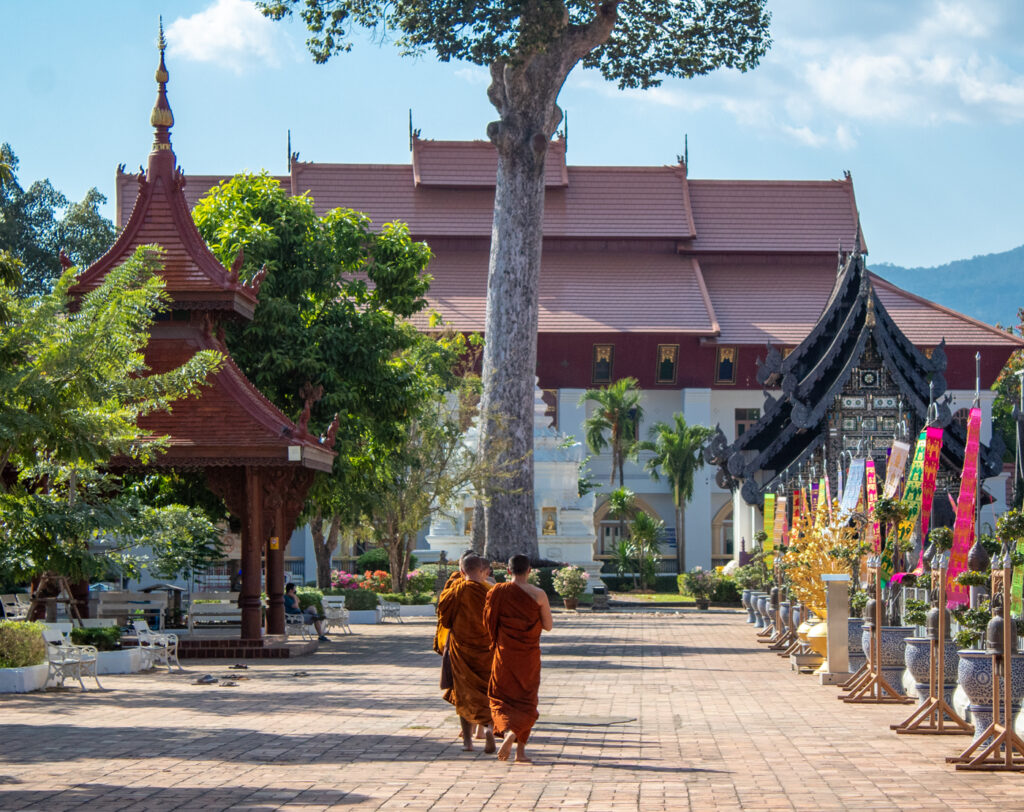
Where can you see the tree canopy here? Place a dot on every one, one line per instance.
(73, 384)
(530, 49)
(38, 222)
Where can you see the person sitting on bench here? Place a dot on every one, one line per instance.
(291, 607)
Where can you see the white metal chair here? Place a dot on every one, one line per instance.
(160, 647)
(388, 609)
(14, 609)
(68, 660)
(296, 624)
(335, 613)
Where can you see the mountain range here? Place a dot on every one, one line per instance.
(989, 287)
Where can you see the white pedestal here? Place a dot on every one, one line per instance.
(837, 607)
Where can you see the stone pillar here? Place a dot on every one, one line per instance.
(252, 547)
(697, 518)
(837, 609)
(742, 524)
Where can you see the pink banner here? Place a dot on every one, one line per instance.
(895, 467)
(963, 529)
(872, 486)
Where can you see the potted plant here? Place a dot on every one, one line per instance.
(22, 657)
(699, 583)
(570, 582)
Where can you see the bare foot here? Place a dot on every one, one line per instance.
(506, 746)
(489, 743)
(467, 745)
(481, 731)
(521, 757)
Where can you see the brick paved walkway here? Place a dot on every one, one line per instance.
(643, 711)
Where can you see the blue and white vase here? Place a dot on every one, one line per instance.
(975, 677)
(919, 660)
(894, 644)
(854, 646)
(747, 593)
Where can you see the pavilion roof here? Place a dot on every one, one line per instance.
(230, 423)
(794, 424)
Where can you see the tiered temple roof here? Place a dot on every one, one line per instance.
(795, 424)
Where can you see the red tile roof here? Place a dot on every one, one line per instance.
(584, 292)
(926, 323)
(474, 164)
(764, 216)
(231, 422)
(161, 214)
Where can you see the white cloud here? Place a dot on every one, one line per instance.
(833, 67)
(230, 33)
(474, 75)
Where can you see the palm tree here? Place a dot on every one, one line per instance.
(618, 415)
(678, 455)
(622, 506)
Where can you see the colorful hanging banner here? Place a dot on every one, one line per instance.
(781, 523)
(895, 468)
(769, 528)
(1017, 585)
(932, 453)
(871, 483)
(854, 485)
(823, 493)
(912, 491)
(963, 529)
(815, 497)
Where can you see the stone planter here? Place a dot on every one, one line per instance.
(571, 603)
(23, 680)
(421, 610)
(363, 616)
(760, 609)
(894, 644)
(784, 609)
(975, 677)
(745, 600)
(795, 617)
(918, 661)
(703, 603)
(854, 645)
(125, 661)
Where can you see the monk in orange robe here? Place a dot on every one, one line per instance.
(441, 633)
(460, 609)
(515, 613)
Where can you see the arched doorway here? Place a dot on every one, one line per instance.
(722, 544)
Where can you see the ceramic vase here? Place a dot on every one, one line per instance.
(854, 646)
(975, 677)
(894, 644)
(918, 660)
(747, 593)
(760, 599)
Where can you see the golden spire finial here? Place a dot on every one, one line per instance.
(161, 117)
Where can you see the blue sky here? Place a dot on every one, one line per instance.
(922, 100)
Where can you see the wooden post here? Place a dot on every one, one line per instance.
(935, 715)
(275, 572)
(252, 546)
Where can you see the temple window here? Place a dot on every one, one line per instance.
(604, 361)
(725, 365)
(745, 419)
(668, 359)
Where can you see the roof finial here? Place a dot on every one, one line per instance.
(161, 117)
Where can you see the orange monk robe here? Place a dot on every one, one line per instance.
(441, 634)
(514, 624)
(461, 609)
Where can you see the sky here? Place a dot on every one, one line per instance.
(921, 100)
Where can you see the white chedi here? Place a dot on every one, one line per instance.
(564, 520)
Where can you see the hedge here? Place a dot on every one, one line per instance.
(409, 598)
(378, 558)
(21, 644)
(356, 600)
(105, 639)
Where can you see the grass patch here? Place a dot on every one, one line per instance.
(650, 597)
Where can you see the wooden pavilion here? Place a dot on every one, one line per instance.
(256, 458)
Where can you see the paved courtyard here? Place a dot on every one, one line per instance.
(638, 711)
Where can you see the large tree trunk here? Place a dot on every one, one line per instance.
(524, 91)
(324, 546)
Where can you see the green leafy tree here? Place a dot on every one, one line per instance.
(623, 507)
(530, 49)
(677, 454)
(1008, 402)
(646, 534)
(38, 222)
(614, 422)
(73, 386)
(331, 321)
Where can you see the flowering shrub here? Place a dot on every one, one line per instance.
(698, 582)
(344, 580)
(420, 581)
(570, 582)
(376, 581)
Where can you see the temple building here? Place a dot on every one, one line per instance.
(691, 286)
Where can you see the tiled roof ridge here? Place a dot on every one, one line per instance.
(991, 328)
(716, 328)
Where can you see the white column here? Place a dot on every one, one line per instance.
(697, 411)
(742, 524)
